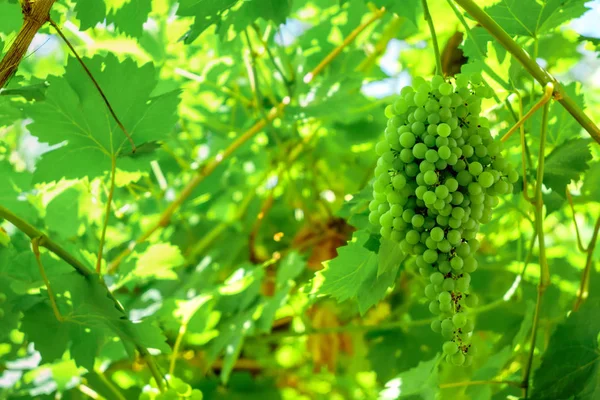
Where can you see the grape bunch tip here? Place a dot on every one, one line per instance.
(438, 177)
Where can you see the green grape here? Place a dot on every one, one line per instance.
(432, 156)
(443, 130)
(436, 278)
(442, 192)
(486, 179)
(196, 395)
(399, 181)
(419, 150)
(437, 234)
(471, 300)
(445, 297)
(462, 285)
(434, 307)
(418, 220)
(436, 326)
(458, 359)
(430, 256)
(459, 320)
(448, 284)
(430, 177)
(450, 348)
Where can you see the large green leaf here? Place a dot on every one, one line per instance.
(570, 366)
(532, 18)
(566, 163)
(75, 112)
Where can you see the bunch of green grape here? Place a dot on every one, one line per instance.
(177, 390)
(438, 177)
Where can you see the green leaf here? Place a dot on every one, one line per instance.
(410, 9)
(149, 335)
(130, 18)
(90, 13)
(344, 275)
(570, 366)
(75, 112)
(12, 187)
(62, 213)
(421, 381)
(530, 18)
(591, 183)
(205, 12)
(49, 336)
(11, 17)
(390, 256)
(475, 46)
(566, 163)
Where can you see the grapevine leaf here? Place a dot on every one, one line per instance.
(12, 187)
(62, 214)
(530, 18)
(591, 183)
(392, 352)
(418, 381)
(50, 336)
(130, 18)
(390, 256)
(149, 335)
(11, 17)
(566, 163)
(488, 371)
(411, 9)
(570, 366)
(75, 112)
(344, 275)
(90, 13)
(475, 46)
(374, 288)
(289, 269)
(205, 13)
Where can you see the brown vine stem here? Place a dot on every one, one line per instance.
(35, 246)
(95, 82)
(534, 69)
(210, 167)
(111, 192)
(35, 15)
(544, 270)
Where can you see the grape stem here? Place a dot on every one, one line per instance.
(474, 383)
(109, 200)
(583, 291)
(436, 47)
(544, 282)
(35, 246)
(548, 90)
(540, 74)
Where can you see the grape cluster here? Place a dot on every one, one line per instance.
(177, 390)
(437, 179)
